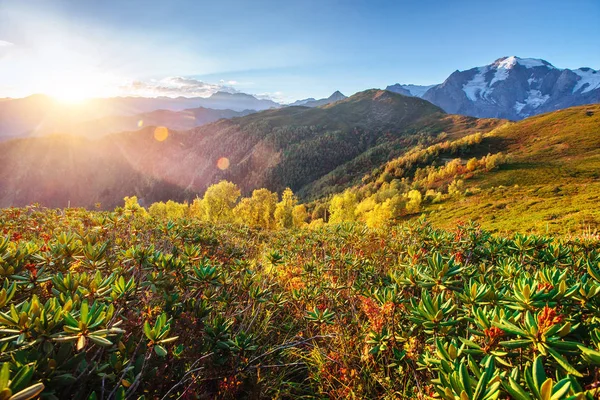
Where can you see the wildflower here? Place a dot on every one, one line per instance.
(547, 318)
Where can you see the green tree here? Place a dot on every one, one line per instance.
(472, 164)
(197, 209)
(456, 187)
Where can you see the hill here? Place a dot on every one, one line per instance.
(292, 146)
(551, 182)
(539, 174)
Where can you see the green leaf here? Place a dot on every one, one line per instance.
(69, 320)
(22, 378)
(160, 350)
(564, 363)
(539, 375)
(516, 391)
(484, 379)
(84, 312)
(466, 380)
(148, 331)
(510, 328)
(30, 393)
(100, 341)
(4, 375)
(560, 389)
(516, 344)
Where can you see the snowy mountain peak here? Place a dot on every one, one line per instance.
(510, 62)
(515, 88)
(590, 80)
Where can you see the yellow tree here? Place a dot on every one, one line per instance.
(342, 207)
(197, 209)
(284, 211)
(414, 202)
(299, 215)
(258, 210)
(219, 201)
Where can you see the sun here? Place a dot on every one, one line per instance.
(70, 95)
(75, 86)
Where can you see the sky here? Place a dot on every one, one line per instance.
(285, 50)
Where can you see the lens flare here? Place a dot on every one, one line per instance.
(161, 133)
(140, 123)
(223, 163)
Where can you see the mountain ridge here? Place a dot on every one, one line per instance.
(312, 102)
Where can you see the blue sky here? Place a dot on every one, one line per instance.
(288, 50)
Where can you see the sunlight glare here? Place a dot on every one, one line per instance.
(161, 133)
(223, 163)
(73, 85)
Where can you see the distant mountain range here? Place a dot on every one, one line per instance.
(511, 87)
(177, 120)
(39, 114)
(316, 151)
(409, 90)
(311, 102)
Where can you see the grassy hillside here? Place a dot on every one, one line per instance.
(540, 175)
(551, 181)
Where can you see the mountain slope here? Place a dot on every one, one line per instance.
(291, 146)
(549, 181)
(515, 88)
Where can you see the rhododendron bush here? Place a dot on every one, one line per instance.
(131, 304)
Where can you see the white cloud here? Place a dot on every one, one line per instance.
(4, 43)
(277, 97)
(176, 86)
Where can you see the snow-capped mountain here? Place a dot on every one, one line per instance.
(311, 102)
(515, 88)
(409, 90)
